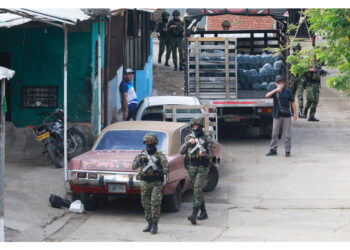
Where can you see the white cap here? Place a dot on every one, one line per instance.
(128, 70)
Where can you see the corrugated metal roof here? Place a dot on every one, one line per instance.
(6, 73)
(68, 16)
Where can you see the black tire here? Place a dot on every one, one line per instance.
(172, 203)
(54, 155)
(213, 178)
(80, 139)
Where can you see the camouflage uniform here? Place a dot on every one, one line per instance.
(198, 168)
(151, 183)
(313, 86)
(297, 87)
(176, 36)
(164, 40)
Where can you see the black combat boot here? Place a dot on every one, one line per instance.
(272, 152)
(154, 228)
(175, 64)
(301, 114)
(304, 115)
(166, 63)
(159, 60)
(203, 215)
(193, 217)
(147, 228)
(313, 119)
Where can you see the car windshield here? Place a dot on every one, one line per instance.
(129, 140)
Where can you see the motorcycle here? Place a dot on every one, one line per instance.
(50, 133)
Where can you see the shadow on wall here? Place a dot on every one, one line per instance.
(21, 143)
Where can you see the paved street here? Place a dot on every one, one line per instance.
(302, 198)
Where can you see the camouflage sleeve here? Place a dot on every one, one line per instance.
(136, 163)
(164, 162)
(184, 147)
(210, 147)
(181, 27)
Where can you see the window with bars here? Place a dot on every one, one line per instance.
(39, 96)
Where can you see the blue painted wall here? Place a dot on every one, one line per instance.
(144, 78)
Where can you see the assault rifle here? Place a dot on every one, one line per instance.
(151, 164)
(199, 145)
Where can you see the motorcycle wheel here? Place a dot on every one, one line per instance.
(55, 156)
(75, 136)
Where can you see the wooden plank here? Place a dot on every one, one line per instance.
(212, 47)
(211, 39)
(197, 68)
(207, 54)
(226, 71)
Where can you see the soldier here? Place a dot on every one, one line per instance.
(313, 86)
(297, 85)
(226, 25)
(164, 41)
(198, 151)
(152, 167)
(176, 35)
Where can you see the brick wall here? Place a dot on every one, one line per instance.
(241, 22)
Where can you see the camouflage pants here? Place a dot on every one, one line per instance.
(198, 176)
(177, 43)
(151, 199)
(312, 97)
(297, 88)
(164, 43)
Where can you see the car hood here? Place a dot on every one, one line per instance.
(107, 160)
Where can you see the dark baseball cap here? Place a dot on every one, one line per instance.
(279, 78)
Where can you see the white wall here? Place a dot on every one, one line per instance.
(2, 230)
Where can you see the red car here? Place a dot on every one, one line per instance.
(106, 171)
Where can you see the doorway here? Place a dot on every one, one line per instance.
(5, 61)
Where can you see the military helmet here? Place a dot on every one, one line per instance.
(197, 121)
(150, 138)
(176, 13)
(226, 23)
(165, 14)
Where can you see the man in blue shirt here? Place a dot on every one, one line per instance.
(128, 95)
(283, 100)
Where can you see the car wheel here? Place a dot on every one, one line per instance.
(213, 178)
(172, 203)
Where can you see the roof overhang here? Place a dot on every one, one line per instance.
(55, 17)
(6, 73)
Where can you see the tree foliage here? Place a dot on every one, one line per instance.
(333, 25)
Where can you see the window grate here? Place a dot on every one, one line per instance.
(39, 96)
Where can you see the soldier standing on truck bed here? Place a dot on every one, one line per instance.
(176, 35)
(152, 166)
(297, 85)
(313, 86)
(198, 151)
(164, 40)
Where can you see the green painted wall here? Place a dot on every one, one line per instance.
(37, 58)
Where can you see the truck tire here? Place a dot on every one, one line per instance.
(172, 202)
(213, 178)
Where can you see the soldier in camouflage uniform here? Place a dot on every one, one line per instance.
(313, 86)
(297, 85)
(176, 35)
(151, 180)
(164, 41)
(197, 164)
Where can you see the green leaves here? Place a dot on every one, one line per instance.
(333, 25)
